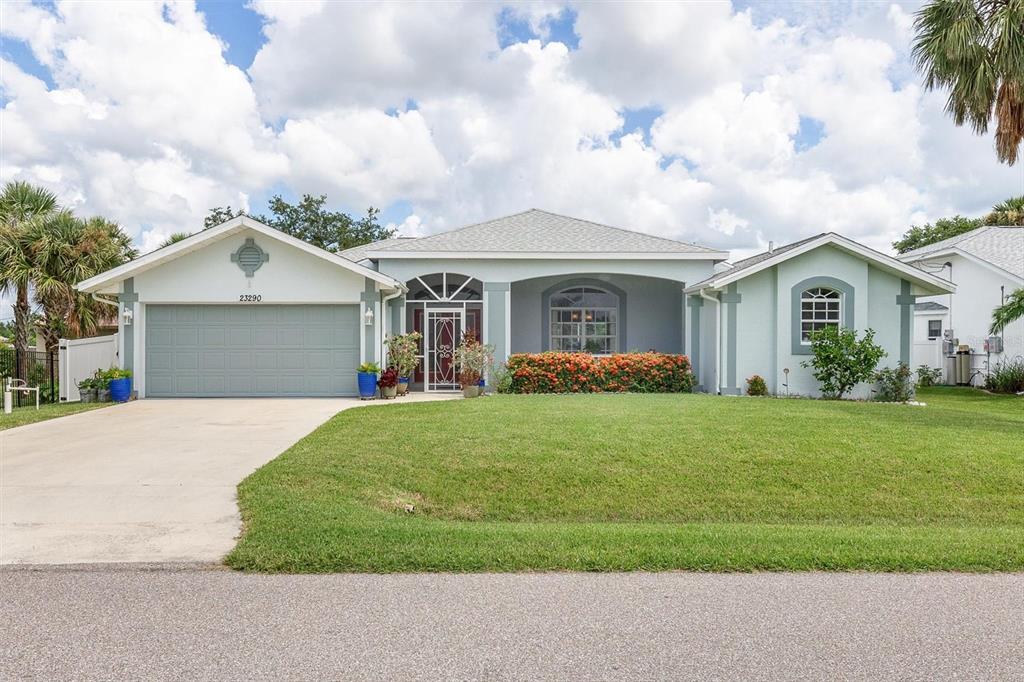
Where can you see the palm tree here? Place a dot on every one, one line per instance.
(22, 207)
(175, 238)
(1011, 310)
(67, 250)
(976, 49)
(1009, 212)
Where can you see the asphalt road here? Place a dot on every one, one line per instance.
(213, 624)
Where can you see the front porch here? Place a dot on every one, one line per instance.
(578, 312)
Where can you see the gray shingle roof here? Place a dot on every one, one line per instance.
(537, 231)
(1001, 246)
(358, 253)
(750, 262)
(929, 305)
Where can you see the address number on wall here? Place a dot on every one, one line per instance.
(249, 298)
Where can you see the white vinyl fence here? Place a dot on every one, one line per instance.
(79, 358)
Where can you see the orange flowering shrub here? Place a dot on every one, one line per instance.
(585, 373)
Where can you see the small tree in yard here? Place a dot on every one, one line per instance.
(841, 361)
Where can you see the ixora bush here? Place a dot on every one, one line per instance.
(756, 385)
(894, 384)
(1006, 377)
(585, 373)
(841, 360)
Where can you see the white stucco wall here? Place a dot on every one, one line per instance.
(756, 317)
(209, 276)
(970, 308)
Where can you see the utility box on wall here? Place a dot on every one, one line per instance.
(994, 344)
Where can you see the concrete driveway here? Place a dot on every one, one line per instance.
(152, 480)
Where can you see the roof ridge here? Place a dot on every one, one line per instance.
(477, 224)
(620, 229)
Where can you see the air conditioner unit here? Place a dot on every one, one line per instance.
(994, 344)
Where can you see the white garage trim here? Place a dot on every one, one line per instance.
(104, 281)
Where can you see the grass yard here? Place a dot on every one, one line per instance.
(646, 482)
(29, 415)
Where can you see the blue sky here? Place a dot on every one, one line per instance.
(757, 121)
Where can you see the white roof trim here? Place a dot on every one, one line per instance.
(966, 255)
(909, 271)
(225, 229)
(551, 255)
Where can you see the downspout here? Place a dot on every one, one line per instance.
(718, 339)
(384, 317)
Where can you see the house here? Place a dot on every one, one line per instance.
(759, 314)
(242, 309)
(986, 265)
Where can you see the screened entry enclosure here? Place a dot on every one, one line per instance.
(442, 307)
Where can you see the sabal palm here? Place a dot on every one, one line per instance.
(175, 238)
(976, 49)
(65, 251)
(22, 207)
(1009, 212)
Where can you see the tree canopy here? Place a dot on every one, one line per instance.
(1009, 212)
(310, 221)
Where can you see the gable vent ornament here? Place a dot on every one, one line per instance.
(250, 257)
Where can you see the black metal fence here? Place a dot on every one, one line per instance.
(37, 368)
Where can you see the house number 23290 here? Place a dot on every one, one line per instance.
(249, 298)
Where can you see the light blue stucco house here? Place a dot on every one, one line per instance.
(242, 309)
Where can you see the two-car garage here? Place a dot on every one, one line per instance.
(251, 350)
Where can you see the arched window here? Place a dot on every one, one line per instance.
(820, 307)
(444, 286)
(584, 319)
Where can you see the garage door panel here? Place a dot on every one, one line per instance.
(257, 350)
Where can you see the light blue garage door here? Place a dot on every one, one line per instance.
(251, 350)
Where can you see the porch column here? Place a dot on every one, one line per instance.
(695, 303)
(905, 300)
(127, 301)
(498, 304)
(368, 301)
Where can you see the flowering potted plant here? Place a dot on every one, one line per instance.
(474, 359)
(87, 390)
(388, 383)
(120, 383)
(403, 350)
(367, 373)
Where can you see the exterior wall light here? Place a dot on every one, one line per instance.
(368, 316)
(127, 315)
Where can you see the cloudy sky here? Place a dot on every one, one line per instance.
(726, 125)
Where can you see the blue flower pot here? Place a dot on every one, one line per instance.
(120, 389)
(403, 380)
(367, 385)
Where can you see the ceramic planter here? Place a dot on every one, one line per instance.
(367, 385)
(403, 385)
(389, 391)
(470, 391)
(88, 395)
(103, 395)
(121, 389)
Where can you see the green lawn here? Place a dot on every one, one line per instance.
(646, 482)
(29, 415)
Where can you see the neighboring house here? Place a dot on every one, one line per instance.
(242, 309)
(760, 313)
(986, 264)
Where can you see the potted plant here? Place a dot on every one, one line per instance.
(120, 384)
(87, 390)
(102, 383)
(473, 359)
(367, 373)
(403, 350)
(388, 383)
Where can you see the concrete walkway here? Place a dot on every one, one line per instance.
(152, 480)
(221, 625)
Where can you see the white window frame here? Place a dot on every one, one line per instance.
(929, 328)
(613, 318)
(837, 314)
